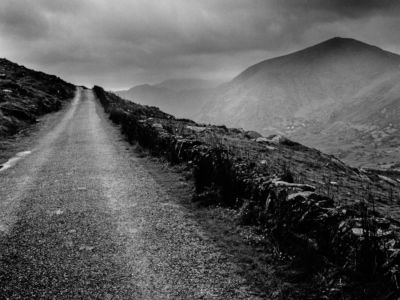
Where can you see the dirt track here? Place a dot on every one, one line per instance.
(82, 218)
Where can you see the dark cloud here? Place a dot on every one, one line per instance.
(119, 43)
(358, 8)
(21, 21)
(340, 8)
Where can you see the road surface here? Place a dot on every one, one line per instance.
(81, 218)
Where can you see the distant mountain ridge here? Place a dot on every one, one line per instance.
(185, 84)
(327, 96)
(181, 97)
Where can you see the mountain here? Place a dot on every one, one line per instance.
(340, 96)
(180, 97)
(186, 84)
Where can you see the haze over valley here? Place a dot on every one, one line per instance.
(180, 97)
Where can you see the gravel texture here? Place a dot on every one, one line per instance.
(82, 218)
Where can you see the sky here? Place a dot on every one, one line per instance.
(121, 43)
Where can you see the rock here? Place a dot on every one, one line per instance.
(196, 128)
(86, 248)
(18, 111)
(300, 195)
(157, 125)
(276, 138)
(280, 139)
(388, 180)
(390, 245)
(357, 231)
(236, 130)
(384, 233)
(252, 134)
(304, 187)
(262, 140)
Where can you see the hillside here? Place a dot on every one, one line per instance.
(185, 84)
(324, 93)
(181, 97)
(27, 94)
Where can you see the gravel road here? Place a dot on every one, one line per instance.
(82, 218)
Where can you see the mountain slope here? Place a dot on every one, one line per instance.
(321, 91)
(181, 97)
(185, 84)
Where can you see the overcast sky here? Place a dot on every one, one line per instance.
(121, 43)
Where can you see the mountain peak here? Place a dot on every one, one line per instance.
(334, 51)
(340, 42)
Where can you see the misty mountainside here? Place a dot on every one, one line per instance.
(182, 97)
(186, 84)
(340, 96)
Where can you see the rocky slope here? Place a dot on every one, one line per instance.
(27, 94)
(340, 96)
(339, 222)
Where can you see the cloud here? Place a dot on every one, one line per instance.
(20, 21)
(340, 8)
(119, 43)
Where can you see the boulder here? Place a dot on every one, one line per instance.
(280, 139)
(276, 138)
(262, 140)
(284, 184)
(252, 134)
(196, 128)
(300, 196)
(157, 125)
